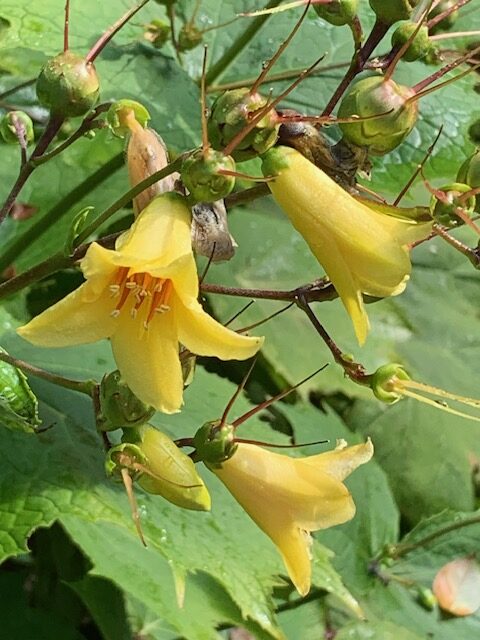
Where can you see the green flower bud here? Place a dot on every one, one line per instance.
(189, 37)
(390, 11)
(124, 456)
(118, 109)
(419, 47)
(13, 121)
(170, 472)
(375, 96)
(426, 598)
(383, 382)
(469, 172)
(158, 33)
(18, 404)
(200, 175)
(214, 444)
(474, 130)
(338, 12)
(231, 112)
(447, 22)
(119, 407)
(68, 85)
(444, 213)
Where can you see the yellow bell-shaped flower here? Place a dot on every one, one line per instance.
(289, 497)
(361, 250)
(143, 296)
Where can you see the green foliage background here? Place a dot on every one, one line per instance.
(64, 523)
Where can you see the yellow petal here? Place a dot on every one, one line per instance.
(204, 336)
(72, 320)
(340, 462)
(158, 237)
(148, 359)
(286, 498)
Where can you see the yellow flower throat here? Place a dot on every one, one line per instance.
(137, 288)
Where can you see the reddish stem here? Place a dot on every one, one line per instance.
(66, 26)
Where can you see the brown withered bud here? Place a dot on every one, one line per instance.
(340, 162)
(146, 154)
(210, 235)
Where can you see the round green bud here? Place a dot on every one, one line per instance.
(158, 33)
(338, 12)
(189, 37)
(231, 112)
(383, 382)
(169, 472)
(115, 116)
(15, 123)
(214, 443)
(469, 173)
(119, 407)
(375, 96)
(445, 212)
(426, 598)
(200, 175)
(474, 131)
(446, 23)
(419, 47)
(390, 11)
(68, 85)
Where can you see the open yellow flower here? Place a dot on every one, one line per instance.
(143, 296)
(289, 497)
(362, 250)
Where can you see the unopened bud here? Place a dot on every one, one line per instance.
(15, 126)
(376, 96)
(383, 382)
(390, 11)
(201, 175)
(444, 211)
(119, 406)
(231, 112)
(338, 12)
(419, 47)
(68, 85)
(189, 37)
(214, 443)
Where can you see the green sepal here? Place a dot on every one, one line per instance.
(68, 85)
(338, 12)
(382, 382)
(200, 175)
(189, 37)
(119, 406)
(375, 96)
(231, 113)
(124, 456)
(170, 472)
(390, 11)
(426, 598)
(416, 214)
(444, 213)
(469, 173)
(74, 230)
(214, 444)
(274, 161)
(8, 130)
(419, 47)
(18, 403)
(114, 119)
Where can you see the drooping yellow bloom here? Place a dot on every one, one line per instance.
(289, 497)
(361, 250)
(143, 296)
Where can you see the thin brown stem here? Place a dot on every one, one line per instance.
(82, 386)
(111, 31)
(358, 62)
(354, 370)
(472, 254)
(51, 130)
(320, 291)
